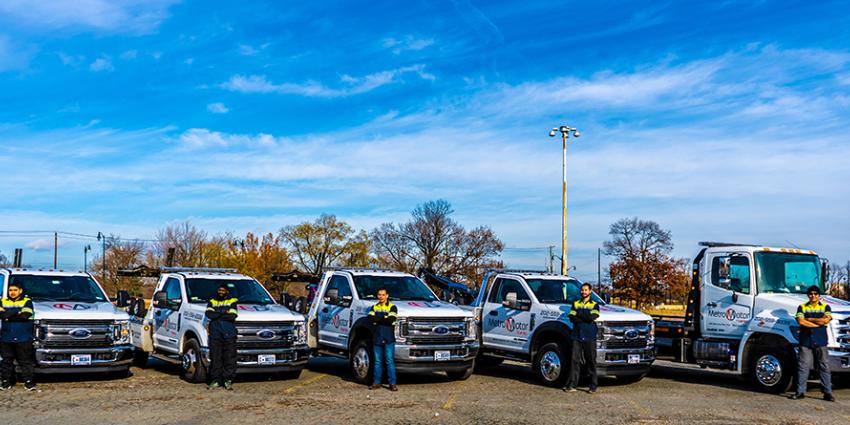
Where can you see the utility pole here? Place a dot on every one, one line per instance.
(86, 250)
(551, 258)
(565, 134)
(102, 238)
(598, 269)
(55, 250)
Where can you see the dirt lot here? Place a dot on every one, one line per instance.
(324, 394)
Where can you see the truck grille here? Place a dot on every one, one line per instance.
(253, 335)
(434, 330)
(841, 329)
(75, 333)
(624, 335)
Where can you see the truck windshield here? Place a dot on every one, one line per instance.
(60, 288)
(247, 291)
(399, 287)
(549, 291)
(787, 273)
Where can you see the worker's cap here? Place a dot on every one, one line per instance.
(224, 285)
(813, 288)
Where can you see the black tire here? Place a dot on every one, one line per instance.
(551, 364)
(193, 367)
(630, 379)
(483, 362)
(772, 370)
(360, 360)
(140, 358)
(300, 304)
(461, 375)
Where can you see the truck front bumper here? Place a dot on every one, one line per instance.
(839, 361)
(615, 362)
(107, 359)
(421, 357)
(286, 359)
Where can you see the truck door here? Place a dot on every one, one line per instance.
(167, 318)
(727, 305)
(335, 312)
(506, 320)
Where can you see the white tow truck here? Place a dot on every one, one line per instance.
(523, 316)
(431, 335)
(77, 327)
(740, 313)
(271, 339)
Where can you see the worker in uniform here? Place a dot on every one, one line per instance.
(583, 315)
(16, 338)
(383, 316)
(221, 312)
(813, 317)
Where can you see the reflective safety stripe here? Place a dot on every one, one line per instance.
(223, 303)
(383, 308)
(21, 303)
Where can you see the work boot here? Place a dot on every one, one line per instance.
(591, 391)
(228, 385)
(374, 386)
(393, 387)
(828, 397)
(5, 386)
(213, 385)
(569, 389)
(29, 385)
(797, 396)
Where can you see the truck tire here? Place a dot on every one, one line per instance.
(361, 359)
(192, 364)
(301, 304)
(551, 365)
(771, 370)
(461, 375)
(140, 358)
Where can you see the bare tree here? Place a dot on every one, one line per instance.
(433, 240)
(326, 242)
(120, 254)
(187, 241)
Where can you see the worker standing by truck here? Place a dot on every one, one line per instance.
(16, 337)
(221, 312)
(584, 313)
(383, 315)
(813, 317)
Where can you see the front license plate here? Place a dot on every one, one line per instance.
(80, 359)
(266, 359)
(634, 358)
(442, 356)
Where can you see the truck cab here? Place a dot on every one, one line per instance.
(77, 328)
(431, 335)
(271, 338)
(740, 313)
(523, 316)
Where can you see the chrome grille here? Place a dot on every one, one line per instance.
(250, 334)
(57, 333)
(841, 330)
(619, 335)
(424, 330)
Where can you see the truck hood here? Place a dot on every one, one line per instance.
(73, 310)
(616, 313)
(266, 313)
(791, 301)
(429, 309)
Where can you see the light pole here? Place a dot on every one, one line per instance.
(565, 134)
(86, 250)
(102, 238)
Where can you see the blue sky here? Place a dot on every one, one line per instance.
(719, 120)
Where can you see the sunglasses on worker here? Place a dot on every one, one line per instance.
(812, 294)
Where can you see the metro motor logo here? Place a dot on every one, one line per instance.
(335, 320)
(730, 314)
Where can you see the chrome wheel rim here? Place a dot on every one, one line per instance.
(768, 370)
(361, 363)
(189, 360)
(550, 365)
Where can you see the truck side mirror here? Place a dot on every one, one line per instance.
(160, 299)
(724, 270)
(122, 299)
(345, 301)
(510, 300)
(332, 296)
(824, 273)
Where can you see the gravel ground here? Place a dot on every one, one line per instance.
(325, 394)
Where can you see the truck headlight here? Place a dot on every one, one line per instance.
(301, 333)
(401, 330)
(121, 331)
(471, 329)
(650, 339)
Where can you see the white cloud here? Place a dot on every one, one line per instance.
(246, 50)
(351, 85)
(102, 64)
(406, 43)
(217, 108)
(43, 244)
(124, 16)
(129, 54)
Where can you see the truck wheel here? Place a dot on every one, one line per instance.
(361, 361)
(461, 375)
(192, 363)
(551, 365)
(140, 358)
(771, 370)
(300, 304)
